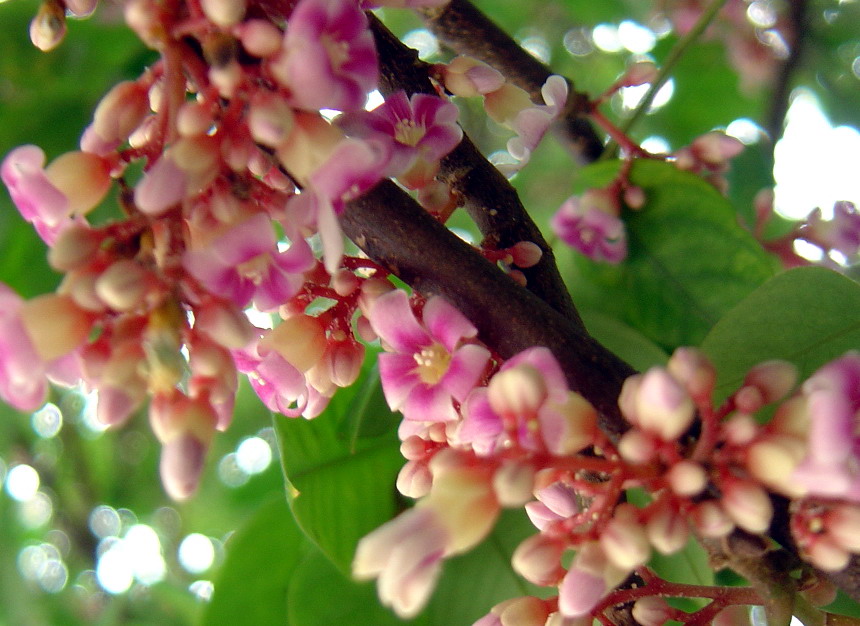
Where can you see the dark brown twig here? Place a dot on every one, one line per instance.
(463, 28)
(486, 194)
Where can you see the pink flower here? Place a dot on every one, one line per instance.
(353, 167)
(595, 233)
(832, 466)
(279, 385)
(527, 402)
(22, 371)
(329, 58)
(244, 264)
(532, 123)
(406, 555)
(37, 199)
(430, 365)
(842, 233)
(422, 130)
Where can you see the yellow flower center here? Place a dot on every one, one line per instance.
(408, 132)
(255, 269)
(338, 51)
(432, 363)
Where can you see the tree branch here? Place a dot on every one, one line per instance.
(486, 194)
(466, 30)
(395, 231)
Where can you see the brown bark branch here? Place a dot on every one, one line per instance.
(466, 30)
(395, 231)
(486, 194)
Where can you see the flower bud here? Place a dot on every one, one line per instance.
(123, 286)
(636, 446)
(692, 369)
(663, 406)
(224, 324)
(666, 528)
(344, 360)
(82, 177)
(740, 429)
(773, 459)
(525, 611)
(747, 504)
(711, 520)
(224, 13)
(464, 503)
(687, 478)
(467, 77)
(634, 197)
(270, 119)
(773, 379)
(414, 480)
(344, 282)
(259, 38)
(49, 25)
(121, 111)
(519, 391)
(55, 325)
(513, 483)
(538, 560)
(568, 427)
(624, 540)
(526, 254)
(651, 611)
(74, 247)
(300, 340)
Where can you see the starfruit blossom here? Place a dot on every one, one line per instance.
(278, 384)
(22, 373)
(329, 58)
(244, 264)
(429, 365)
(832, 465)
(421, 129)
(527, 404)
(596, 233)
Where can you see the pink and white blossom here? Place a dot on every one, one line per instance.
(421, 129)
(22, 372)
(841, 233)
(279, 385)
(428, 365)
(328, 59)
(832, 465)
(243, 264)
(37, 199)
(593, 232)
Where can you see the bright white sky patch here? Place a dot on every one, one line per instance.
(22, 482)
(635, 37)
(815, 163)
(196, 553)
(605, 37)
(632, 96)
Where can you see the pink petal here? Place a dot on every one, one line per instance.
(446, 324)
(161, 187)
(391, 318)
(398, 377)
(465, 369)
(580, 592)
(22, 171)
(429, 403)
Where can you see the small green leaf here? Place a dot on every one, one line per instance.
(807, 316)
(689, 261)
(261, 558)
(341, 468)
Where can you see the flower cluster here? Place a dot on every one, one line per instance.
(243, 178)
(511, 434)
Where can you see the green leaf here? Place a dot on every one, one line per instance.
(341, 468)
(261, 557)
(807, 316)
(478, 580)
(689, 261)
(320, 595)
(626, 342)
